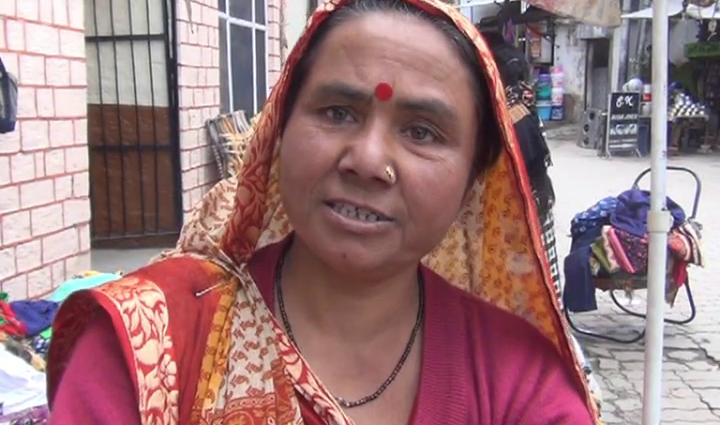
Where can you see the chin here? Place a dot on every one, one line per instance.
(347, 254)
(356, 257)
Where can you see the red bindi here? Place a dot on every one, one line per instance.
(383, 92)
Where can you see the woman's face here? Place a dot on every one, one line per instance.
(340, 138)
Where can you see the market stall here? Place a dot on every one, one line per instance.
(704, 58)
(533, 30)
(693, 110)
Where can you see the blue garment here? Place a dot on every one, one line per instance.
(36, 315)
(579, 292)
(631, 212)
(597, 215)
(79, 283)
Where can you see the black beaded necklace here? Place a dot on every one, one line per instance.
(413, 335)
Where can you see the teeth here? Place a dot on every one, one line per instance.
(357, 213)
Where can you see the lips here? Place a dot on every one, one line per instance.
(358, 213)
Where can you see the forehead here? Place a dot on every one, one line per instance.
(408, 52)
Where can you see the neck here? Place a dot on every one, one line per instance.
(352, 308)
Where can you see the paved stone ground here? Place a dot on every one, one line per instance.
(691, 381)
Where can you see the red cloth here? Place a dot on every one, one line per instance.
(179, 279)
(97, 388)
(12, 325)
(480, 365)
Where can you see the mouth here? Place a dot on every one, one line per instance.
(358, 213)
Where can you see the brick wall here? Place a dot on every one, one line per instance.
(44, 206)
(199, 81)
(275, 42)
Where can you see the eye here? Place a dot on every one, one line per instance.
(336, 114)
(421, 134)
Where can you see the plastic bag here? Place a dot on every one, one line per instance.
(21, 386)
(8, 100)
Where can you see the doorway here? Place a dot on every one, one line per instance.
(598, 73)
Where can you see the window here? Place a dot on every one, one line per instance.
(243, 55)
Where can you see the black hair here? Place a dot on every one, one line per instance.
(511, 61)
(488, 141)
(514, 69)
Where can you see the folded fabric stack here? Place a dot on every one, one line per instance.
(25, 333)
(682, 106)
(610, 248)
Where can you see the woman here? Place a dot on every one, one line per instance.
(520, 95)
(514, 69)
(378, 152)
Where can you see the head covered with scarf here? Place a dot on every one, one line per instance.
(493, 249)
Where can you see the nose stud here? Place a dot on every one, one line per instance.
(390, 171)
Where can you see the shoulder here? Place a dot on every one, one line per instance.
(513, 366)
(96, 371)
(510, 334)
(156, 315)
(488, 330)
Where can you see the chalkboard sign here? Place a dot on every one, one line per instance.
(622, 123)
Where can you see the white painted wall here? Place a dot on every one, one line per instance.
(113, 76)
(570, 54)
(296, 20)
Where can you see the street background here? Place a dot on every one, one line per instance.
(691, 372)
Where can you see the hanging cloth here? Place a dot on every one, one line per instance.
(8, 100)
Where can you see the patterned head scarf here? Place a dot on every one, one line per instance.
(493, 250)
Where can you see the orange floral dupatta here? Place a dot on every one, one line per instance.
(249, 372)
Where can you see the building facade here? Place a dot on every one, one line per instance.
(110, 147)
(44, 204)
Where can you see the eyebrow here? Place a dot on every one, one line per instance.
(343, 90)
(418, 105)
(429, 106)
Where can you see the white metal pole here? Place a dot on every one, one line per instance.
(658, 220)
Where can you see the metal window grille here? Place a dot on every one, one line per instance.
(243, 55)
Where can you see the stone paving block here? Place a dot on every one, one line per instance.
(685, 403)
(711, 397)
(626, 357)
(702, 416)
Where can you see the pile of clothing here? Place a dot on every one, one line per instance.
(683, 106)
(610, 249)
(25, 333)
(29, 320)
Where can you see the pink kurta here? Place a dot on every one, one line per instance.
(480, 365)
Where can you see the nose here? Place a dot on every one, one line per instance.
(368, 153)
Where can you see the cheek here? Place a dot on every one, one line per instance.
(293, 172)
(292, 186)
(437, 194)
(299, 171)
(307, 150)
